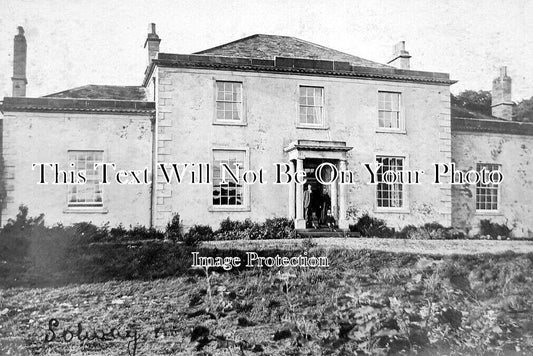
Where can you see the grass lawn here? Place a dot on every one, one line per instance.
(365, 302)
(440, 247)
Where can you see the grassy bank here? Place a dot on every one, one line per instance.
(365, 302)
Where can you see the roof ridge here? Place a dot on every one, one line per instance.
(267, 46)
(329, 48)
(102, 92)
(62, 91)
(228, 43)
(91, 85)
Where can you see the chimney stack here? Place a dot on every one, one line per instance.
(19, 64)
(152, 41)
(502, 105)
(400, 57)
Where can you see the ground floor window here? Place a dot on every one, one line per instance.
(487, 195)
(230, 193)
(90, 193)
(389, 195)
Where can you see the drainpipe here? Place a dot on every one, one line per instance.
(2, 180)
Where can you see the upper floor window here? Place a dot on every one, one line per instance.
(231, 193)
(487, 194)
(389, 195)
(311, 106)
(389, 113)
(229, 102)
(90, 193)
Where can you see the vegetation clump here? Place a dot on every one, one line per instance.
(494, 230)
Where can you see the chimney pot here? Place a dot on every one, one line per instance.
(503, 72)
(19, 64)
(400, 57)
(152, 42)
(502, 105)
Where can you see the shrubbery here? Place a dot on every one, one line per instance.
(430, 231)
(494, 230)
(197, 234)
(275, 228)
(174, 230)
(18, 231)
(369, 226)
(33, 254)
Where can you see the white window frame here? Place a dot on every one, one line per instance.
(322, 122)
(405, 187)
(479, 166)
(81, 207)
(245, 206)
(216, 120)
(401, 113)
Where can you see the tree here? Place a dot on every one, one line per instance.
(523, 111)
(478, 101)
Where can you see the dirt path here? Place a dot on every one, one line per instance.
(440, 247)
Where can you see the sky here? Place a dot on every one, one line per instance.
(77, 42)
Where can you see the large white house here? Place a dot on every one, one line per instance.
(260, 101)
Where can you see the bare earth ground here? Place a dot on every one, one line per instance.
(437, 247)
(368, 302)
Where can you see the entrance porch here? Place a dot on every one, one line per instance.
(307, 155)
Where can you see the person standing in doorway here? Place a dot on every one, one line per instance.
(307, 202)
(326, 204)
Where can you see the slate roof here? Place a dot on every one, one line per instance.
(261, 46)
(112, 99)
(461, 112)
(53, 104)
(104, 92)
(464, 120)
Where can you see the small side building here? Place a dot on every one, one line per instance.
(495, 142)
(74, 129)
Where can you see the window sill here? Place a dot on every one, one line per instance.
(228, 209)
(489, 212)
(312, 127)
(393, 131)
(392, 210)
(81, 210)
(230, 123)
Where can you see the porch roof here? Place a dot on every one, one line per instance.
(314, 145)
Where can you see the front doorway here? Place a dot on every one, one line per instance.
(320, 196)
(307, 155)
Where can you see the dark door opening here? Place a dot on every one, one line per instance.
(320, 196)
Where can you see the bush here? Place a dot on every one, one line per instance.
(279, 228)
(118, 233)
(275, 228)
(90, 232)
(430, 231)
(228, 225)
(369, 226)
(174, 230)
(140, 233)
(13, 239)
(197, 234)
(434, 231)
(22, 225)
(407, 232)
(453, 233)
(486, 227)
